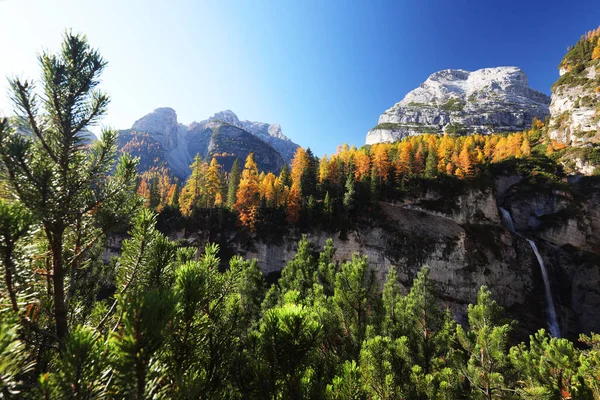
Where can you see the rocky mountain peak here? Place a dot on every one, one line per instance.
(160, 121)
(227, 116)
(158, 138)
(459, 101)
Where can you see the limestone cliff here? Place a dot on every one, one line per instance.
(575, 107)
(459, 234)
(458, 101)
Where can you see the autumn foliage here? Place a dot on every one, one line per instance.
(337, 183)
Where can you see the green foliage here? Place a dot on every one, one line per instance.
(483, 359)
(391, 126)
(163, 321)
(347, 385)
(15, 362)
(456, 129)
(233, 182)
(453, 104)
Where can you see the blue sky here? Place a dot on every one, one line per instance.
(323, 69)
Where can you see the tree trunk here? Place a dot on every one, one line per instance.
(58, 280)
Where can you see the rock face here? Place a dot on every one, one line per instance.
(459, 234)
(575, 107)
(158, 138)
(457, 101)
(270, 133)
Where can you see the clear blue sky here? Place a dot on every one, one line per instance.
(322, 69)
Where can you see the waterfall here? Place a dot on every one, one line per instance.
(553, 322)
(551, 310)
(507, 219)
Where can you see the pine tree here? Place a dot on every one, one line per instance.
(285, 176)
(349, 196)
(431, 164)
(484, 347)
(53, 172)
(356, 296)
(233, 183)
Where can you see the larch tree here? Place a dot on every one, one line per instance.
(248, 194)
(300, 164)
(214, 184)
(61, 179)
(194, 187)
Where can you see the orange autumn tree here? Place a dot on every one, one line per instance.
(144, 192)
(293, 204)
(248, 194)
(299, 165)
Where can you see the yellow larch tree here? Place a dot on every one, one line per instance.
(381, 162)
(362, 165)
(248, 194)
(214, 184)
(194, 187)
(144, 192)
(299, 165)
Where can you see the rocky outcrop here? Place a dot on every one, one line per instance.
(270, 133)
(462, 102)
(575, 107)
(158, 138)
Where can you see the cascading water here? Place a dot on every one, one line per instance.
(553, 321)
(507, 219)
(551, 310)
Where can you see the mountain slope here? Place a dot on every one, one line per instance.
(458, 101)
(158, 138)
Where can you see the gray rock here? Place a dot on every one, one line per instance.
(160, 139)
(575, 109)
(457, 101)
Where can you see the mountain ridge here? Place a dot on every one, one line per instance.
(460, 101)
(158, 138)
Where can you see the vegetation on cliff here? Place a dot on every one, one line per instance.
(162, 321)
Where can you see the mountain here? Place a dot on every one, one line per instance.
(575, 106)
(158, 138)
(270, 133)
(458, 101)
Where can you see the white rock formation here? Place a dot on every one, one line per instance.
(575, 110)
(458, 101)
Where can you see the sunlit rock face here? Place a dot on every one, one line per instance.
(575, 108)
(159, 139)
(457, 101)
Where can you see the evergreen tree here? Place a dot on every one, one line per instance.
(285, 176)
(52, 171)
(233, 183)
(194, 188)
(431, 164)
(484, 359)
(356, 296)
(350, 194)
